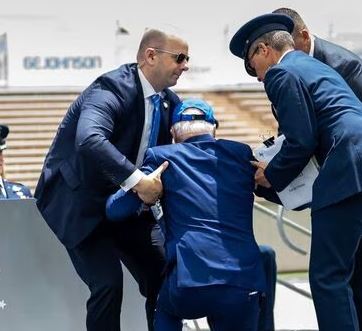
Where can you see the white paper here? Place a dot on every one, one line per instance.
(299, 191)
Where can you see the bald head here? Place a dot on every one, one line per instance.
(158, 58)
(300, 34)
(151, 38)
(298, 21)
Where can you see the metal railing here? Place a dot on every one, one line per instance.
(282, 222)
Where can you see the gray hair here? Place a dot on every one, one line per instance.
(192, 128)
(278, 40)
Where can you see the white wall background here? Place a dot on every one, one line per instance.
(82, 28)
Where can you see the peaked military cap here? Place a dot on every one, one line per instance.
(252, 30)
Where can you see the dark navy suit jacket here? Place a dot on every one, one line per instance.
(207, 204)
(16, 190)
(319, 115)
(95, 150)
(346, 63)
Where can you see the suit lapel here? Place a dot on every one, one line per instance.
(140, 117)
(167, 104)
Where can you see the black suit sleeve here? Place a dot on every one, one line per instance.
(100, 112)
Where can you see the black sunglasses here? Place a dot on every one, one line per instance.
(256, 51)
(179, 57)
(253, 54)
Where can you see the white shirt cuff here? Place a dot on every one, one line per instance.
(132, 180)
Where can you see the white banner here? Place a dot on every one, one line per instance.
(3, 60)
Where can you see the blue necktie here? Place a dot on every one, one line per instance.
(156, 100)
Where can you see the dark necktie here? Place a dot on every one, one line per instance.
(156, 100)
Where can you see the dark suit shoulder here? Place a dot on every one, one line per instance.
(345, 62)
(123, 82)
(331, 53)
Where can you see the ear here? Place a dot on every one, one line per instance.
(263, 48)
(305, 35)
(150, 55)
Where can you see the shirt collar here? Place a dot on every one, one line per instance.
(147, 88)
(285, 53)
(311, 51)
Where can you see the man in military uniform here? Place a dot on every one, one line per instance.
(9, 190)
(320, 116)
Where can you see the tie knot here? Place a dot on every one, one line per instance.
(156, 99)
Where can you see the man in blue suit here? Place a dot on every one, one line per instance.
(319, 115)
(214, 264)
(9, 190)
(98, 147)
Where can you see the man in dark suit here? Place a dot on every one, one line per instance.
(98, 147)
(319, 115)
(346, 63)
(214, 264)
(9, 190)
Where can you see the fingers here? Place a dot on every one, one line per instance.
(259, 164)
(254, 163)
(158, 172)
(260, 178)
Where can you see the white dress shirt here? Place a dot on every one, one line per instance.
(2, 188)
(311, 51)
(148, 91)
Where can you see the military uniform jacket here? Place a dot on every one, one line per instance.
(319, 115)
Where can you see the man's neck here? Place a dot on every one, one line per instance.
(149, 77)
(282, 54)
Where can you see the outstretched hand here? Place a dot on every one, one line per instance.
(149, 188)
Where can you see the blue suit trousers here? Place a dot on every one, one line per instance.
(227, 308)
(266, 316)
(335, 271)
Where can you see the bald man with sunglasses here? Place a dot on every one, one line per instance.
(99, 147)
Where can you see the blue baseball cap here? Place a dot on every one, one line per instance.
(208, 112)
(255, 28)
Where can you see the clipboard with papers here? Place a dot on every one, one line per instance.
(299, 191)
